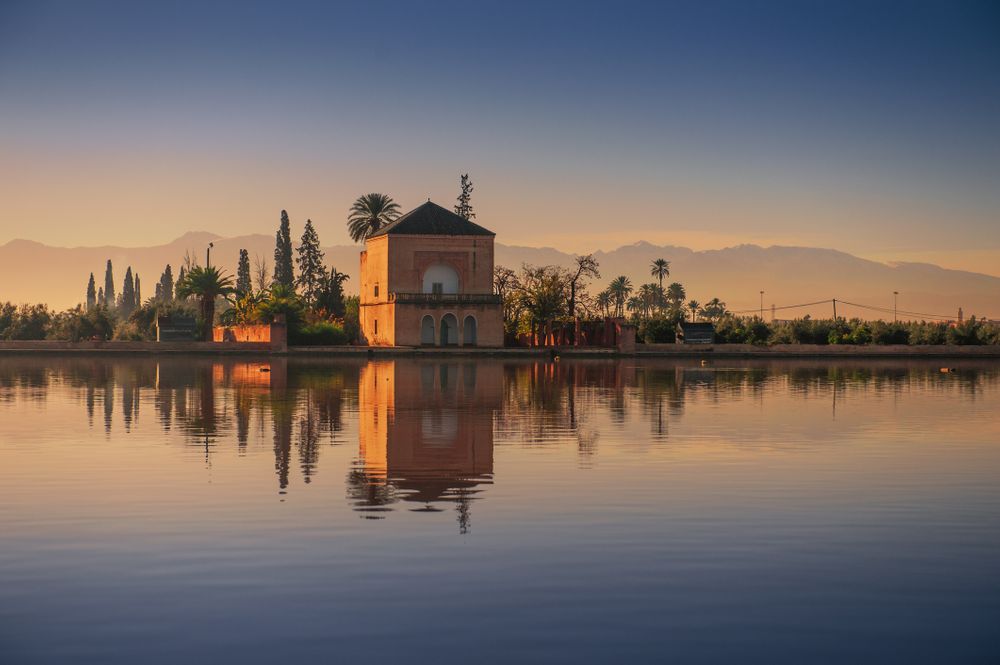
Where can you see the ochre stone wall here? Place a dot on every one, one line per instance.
(489, 323)
(396, 264)
(255, 333)
(470, 256)
(385, 314)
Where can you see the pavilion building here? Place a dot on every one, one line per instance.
(427, 280)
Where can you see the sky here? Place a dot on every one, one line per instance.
(870, 127)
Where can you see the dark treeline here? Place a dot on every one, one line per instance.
(539, 299)
(753, 330)
(298, 285)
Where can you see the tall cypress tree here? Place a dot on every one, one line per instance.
(100, 297)
(284, 273)
(138, 292)
(311, 270)
(127, 303)
(109, 286)
(180, 278)
(464, 207)
(165, 292)
(243, 283)
(91, 293)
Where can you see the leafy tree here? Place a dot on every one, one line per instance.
(330, 297)
(8, 312)
(127, 302)
(101, 301)
(967, 333)
(166, 290)
(109, 286)
(243, 285)
(180, 278)
(464, 207)
(24, 321)
(370, 213)
(505, 284)
(542, 295)
(284, 272)
(312, 273)
(78, 324)
(583, 267)
(260, 273)
(206, 284)
(91, 293)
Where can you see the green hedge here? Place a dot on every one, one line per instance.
(323, 333)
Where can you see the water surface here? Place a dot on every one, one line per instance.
(197, 510)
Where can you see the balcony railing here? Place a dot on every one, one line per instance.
(445, 298)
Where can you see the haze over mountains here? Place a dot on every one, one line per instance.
(34, 272)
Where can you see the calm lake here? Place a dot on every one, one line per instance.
(271, 511)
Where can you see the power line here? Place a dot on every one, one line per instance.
(884, 310)
(899, 311)
(807, 304)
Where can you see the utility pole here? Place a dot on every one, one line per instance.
(208, 255)
(761, 305)
(834, 309)
(895, 295)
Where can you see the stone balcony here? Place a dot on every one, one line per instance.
(432, 299)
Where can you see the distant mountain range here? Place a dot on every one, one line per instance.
(33, 272)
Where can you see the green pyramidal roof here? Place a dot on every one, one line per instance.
(430, 219)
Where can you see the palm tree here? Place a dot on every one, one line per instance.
(693, 306)
(635, 305)
(652, 296)
(714, 310)
(207, 284)
(659, 269)
(620, 289)
(604, 301)
(244, 309)
(369, 214)
(675, 296)
(281, 300)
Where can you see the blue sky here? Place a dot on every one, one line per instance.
(870, 127)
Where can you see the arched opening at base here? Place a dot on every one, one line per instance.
(449, 330)
(427, 330)
(469, 331)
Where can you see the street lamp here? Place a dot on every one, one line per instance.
(761, 305)
(895, 295)
(208, 255)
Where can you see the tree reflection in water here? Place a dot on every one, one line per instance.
(426, 428)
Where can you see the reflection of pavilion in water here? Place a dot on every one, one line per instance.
(425, 433)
